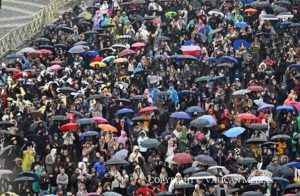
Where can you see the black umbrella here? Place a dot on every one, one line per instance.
(281, 137)
(257, 126)
(260, 4)
(61, 26)
(123, 100)
(5, 151)
(203, 79)
(138, 97)
(247, 160)
(58, 118)
(42, 39)
(268, 143)
(28, 174)
(278, 9)
(96, 96)
(62, 46)
(191, 170)
(140, 118)
(24, 179)
(116, 161)
(4, 132)
(49, 26)
(256, 141)
(67, 90)
(292, 186)
(84, 23)
(88, 33)
(199, 123)
(37, 139)
(67, 29)
(47, 47)
(260, 34)
(6, 123)
(205, 159)
(184, 186)
(149, 17)
(33, 126)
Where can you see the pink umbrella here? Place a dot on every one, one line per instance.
(255, 88)
(55, 68)
(138, 45)
(56, 62)
(294, 104)
(149, 108)
(99, 119)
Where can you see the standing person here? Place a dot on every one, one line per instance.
(62, 179)
(44, 183)
(28, 158)
(100, 168)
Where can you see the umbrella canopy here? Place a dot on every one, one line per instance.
(126, 52)
(55, 68)
(281, 137)
(164, 194)
(76, 49)
(6, 150)
(215, 170)
(265, 106)
(292, 186)
(293, 164)
(234, 177)
(184, 186)
(6, 123)
(210, 119)
(202, 175)
(285, 15)
(69, 127)
(194, 109)
(241, 25)
(250, 10)
(183, 158)
(260, 4)
(246, 116)
(170, 14)
(260, 179)
(255, 88)
(199, 123)
(150, 143)
(203, 79)
(67, 90)
(240, 42)
(24, 179)
(257, 126)
(88, 134)
(116, 161)
(138, 45)
(234, 132)
(191, 170)
(148, 109)
(252, 193)
(256, 141)
(140, 118)
(247, 160)
(109, 58)
(269, 17)
(120, 60)
(241, 92)
(124, 111)
(228, 58)
(294, 104)
(5, 172)
(108, 128)
(99, 119)
(282, 181)
(111, 193)
(216, 12)
(181, 115)
(85, 121)
(96, 96)
(205, 159)
(27, 50)
(285, 107)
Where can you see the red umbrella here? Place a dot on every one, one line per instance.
(144, 191)
(247, 116)
(97, 59)
(56, 62)
(55, 68)
(255, 88)
(69, 127)
(20, 74)
(138, 45)
(149, 108)
(45, 51)
(126, 52)
(183, 158)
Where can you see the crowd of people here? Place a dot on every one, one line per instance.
(155, 97)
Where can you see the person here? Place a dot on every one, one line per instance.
(44, 183)
(100, 167)
(28, 158)
(62, 181)
(177, 180)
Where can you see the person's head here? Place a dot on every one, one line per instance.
(62, 170)
(101, 159)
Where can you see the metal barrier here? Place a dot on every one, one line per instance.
(19, 35)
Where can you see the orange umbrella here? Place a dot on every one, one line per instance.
(250, 10)
(108, 128)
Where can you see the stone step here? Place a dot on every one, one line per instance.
(45, 2)
(29, 3)
(12, 25)
(5, 13)
(23, 6)
(20, 10)
(14, 19)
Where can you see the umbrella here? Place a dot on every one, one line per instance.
(67, 30)
(293, 164)
(191, 170)
(67, 90)
(241, 25)
(265, 106)
(91, 33)
(278, 9)
(80, 43)
(260, 179)
(292, 186)
(121, 154)
(108, 128)
(14, 56)
(240, 42)
(98, 65)
(285, 107)
(256, 141)
(194, 109)
(202, 175)
(116, 161)
(148, 109)
(210, 119)
(282, 181)
(183, 158)
(183, 57)
(228, 58)
(12, 70)
(234, 178)
(215, 31)
(138, 45)
(140, 118)
(150, 143)
(170, 14)
(88, 134)
(250, 10)
(241, 92)
(119, 46)
(285, 15)
(48, 47)
(163, 38)
(216, 12)
(247, 160)
(246, 116)
(225, 65)
(124, 111)
(215, 170)
(62, 46)
(164, 93)
(99, 119)
(77, 114)
(234, 132)
(269, 17)
(27, 50)
(6, 123)
(205, 159)
(109, 58)
(203, 79)
(257, 126)
(58, 118)
(44, 51)
(96, 96)
(93, 194)
(138, 97)
(125, 37)
(164, 194)
(199, 123)
(86, 15)
(69, 127)
(55, 68)
(252, 193)
(76, 49)
(126, 52)
(185, 93)
(85, 121)
(255, 88)
(24, 179)
(281, 137)
(120, 60)
(181, 115)
(5, 172)
(260, 4)
(4, 132)
(184, 186)
(294, 104)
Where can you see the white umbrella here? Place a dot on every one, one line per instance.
(215, 170)
(269, 17)
(233, 178)
(216, 12)
(260, 179)
(202, 176)
(27, 50)
(285, 15)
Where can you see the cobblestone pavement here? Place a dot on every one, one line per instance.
(15, 13)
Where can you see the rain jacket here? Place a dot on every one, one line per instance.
(280, 148)
(135, 155)
(100, 168)
(28, 159)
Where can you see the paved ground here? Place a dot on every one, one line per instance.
(15, 13)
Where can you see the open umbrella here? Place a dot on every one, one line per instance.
(5, 172)
(67, 90)
(292, 186)
(229, 65)
(150, 143)
(246, 116)
(260, 179)
(140, 118)
(202, 175)
(170, 14)
(295, 104)
(210, 119)
(184, 186)
(255, 88)
(260, 4)
(293, 164)
(215, 170)
(199, 123)
(183, 57)
(203, 79)
(185, 93)
(181, 115)
(257, 126)
(120, 60)
(164, 194)
(247, 160)
(285, 107)
(241, 42)
(256, 141)
(78, 114)
(124, 111)
(265, 106)
(251, 193)
(67, 29)
(138, 45)
(241, 25)
(285, 15)
(27, 50)
(99, 119)
(281, 137)
(6, 150)
(234, 132)
(194, 109)
(108, 128)
(282, 181)
(250, 10)
(216, 12)
(191, 170)
(24, 179)
(111, 193)
(278, 9)
(183, 158)
(86, 15)
(69, 127)
(148, 109)
(76, 49)
(228, 58)
(269, 17)
(241, 92)
(126, 52)
(55, 68)
(116, 161)
(4, 132)
(109, 58)
(233, 178)
(6, 123)
(205, 159)
(85, 121)
(88, 134)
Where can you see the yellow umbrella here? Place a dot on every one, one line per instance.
(121, 60)
(86, 15)
(97, 64)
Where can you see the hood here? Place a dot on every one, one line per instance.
(135, 148)
(53, 152)
(178, 175)
(137, 167)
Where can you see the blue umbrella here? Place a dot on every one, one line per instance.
(194, 109)
(282, 181)
(88, 134)
(234, 132)
(185, 93)
(285, 107)
(181, 115)
(293, 164)
(296, 66)
(138, 69)
(212, 60)
(124, 111)
(210, 119)
(284, 24)
(85, 121)
(90, 54)
(247, 1)
(237, 43)
(228, 58)
(241, 25)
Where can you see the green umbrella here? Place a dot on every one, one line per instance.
(170, 14)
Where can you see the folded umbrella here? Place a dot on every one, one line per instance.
(181, 115)
(150, 143)
(234, 132)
